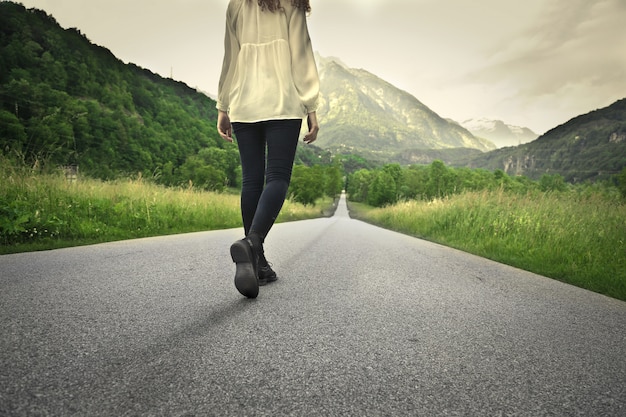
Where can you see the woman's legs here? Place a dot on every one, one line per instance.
(251, 143)
(264, 188)
(265, 180)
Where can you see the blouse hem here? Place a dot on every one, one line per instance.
(265, 119)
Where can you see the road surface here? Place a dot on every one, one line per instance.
(362, 322)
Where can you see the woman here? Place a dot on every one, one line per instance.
(269, 83)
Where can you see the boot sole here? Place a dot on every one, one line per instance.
(246, 280)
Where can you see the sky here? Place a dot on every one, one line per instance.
(531, 63)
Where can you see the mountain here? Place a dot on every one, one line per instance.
(588, 147)
(362, 113)
(498, 132)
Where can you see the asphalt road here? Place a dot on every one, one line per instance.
(362, 322)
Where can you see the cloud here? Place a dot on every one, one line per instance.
(580, 41)
(572, 54)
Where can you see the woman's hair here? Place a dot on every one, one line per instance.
(273, 5)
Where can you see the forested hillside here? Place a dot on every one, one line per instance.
(66, 101)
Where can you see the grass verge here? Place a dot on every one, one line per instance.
(39, 212)
(574, 238)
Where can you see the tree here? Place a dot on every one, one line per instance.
(358, 185)
(202, 175)
(438, 181)
(415, 180)
(334, 181)
(12, 133)
(383, 190)
(224, 160)
(552, 183)
(305, 185)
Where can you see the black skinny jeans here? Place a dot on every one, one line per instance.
(265, 177)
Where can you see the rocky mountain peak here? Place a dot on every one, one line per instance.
(500, 133)
(360, 111)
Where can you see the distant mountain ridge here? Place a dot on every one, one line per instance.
(498, 132)
(591, 146)
(361, 112)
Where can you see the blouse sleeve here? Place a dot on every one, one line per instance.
(303, 65)
(231, 52)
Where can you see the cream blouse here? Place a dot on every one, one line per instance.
(269, 68)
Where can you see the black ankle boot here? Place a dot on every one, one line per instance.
(266, 273)
(246, 274)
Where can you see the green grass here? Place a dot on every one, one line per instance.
(575, 238)
(39, 212)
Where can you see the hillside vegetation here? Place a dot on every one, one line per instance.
(65, 101)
